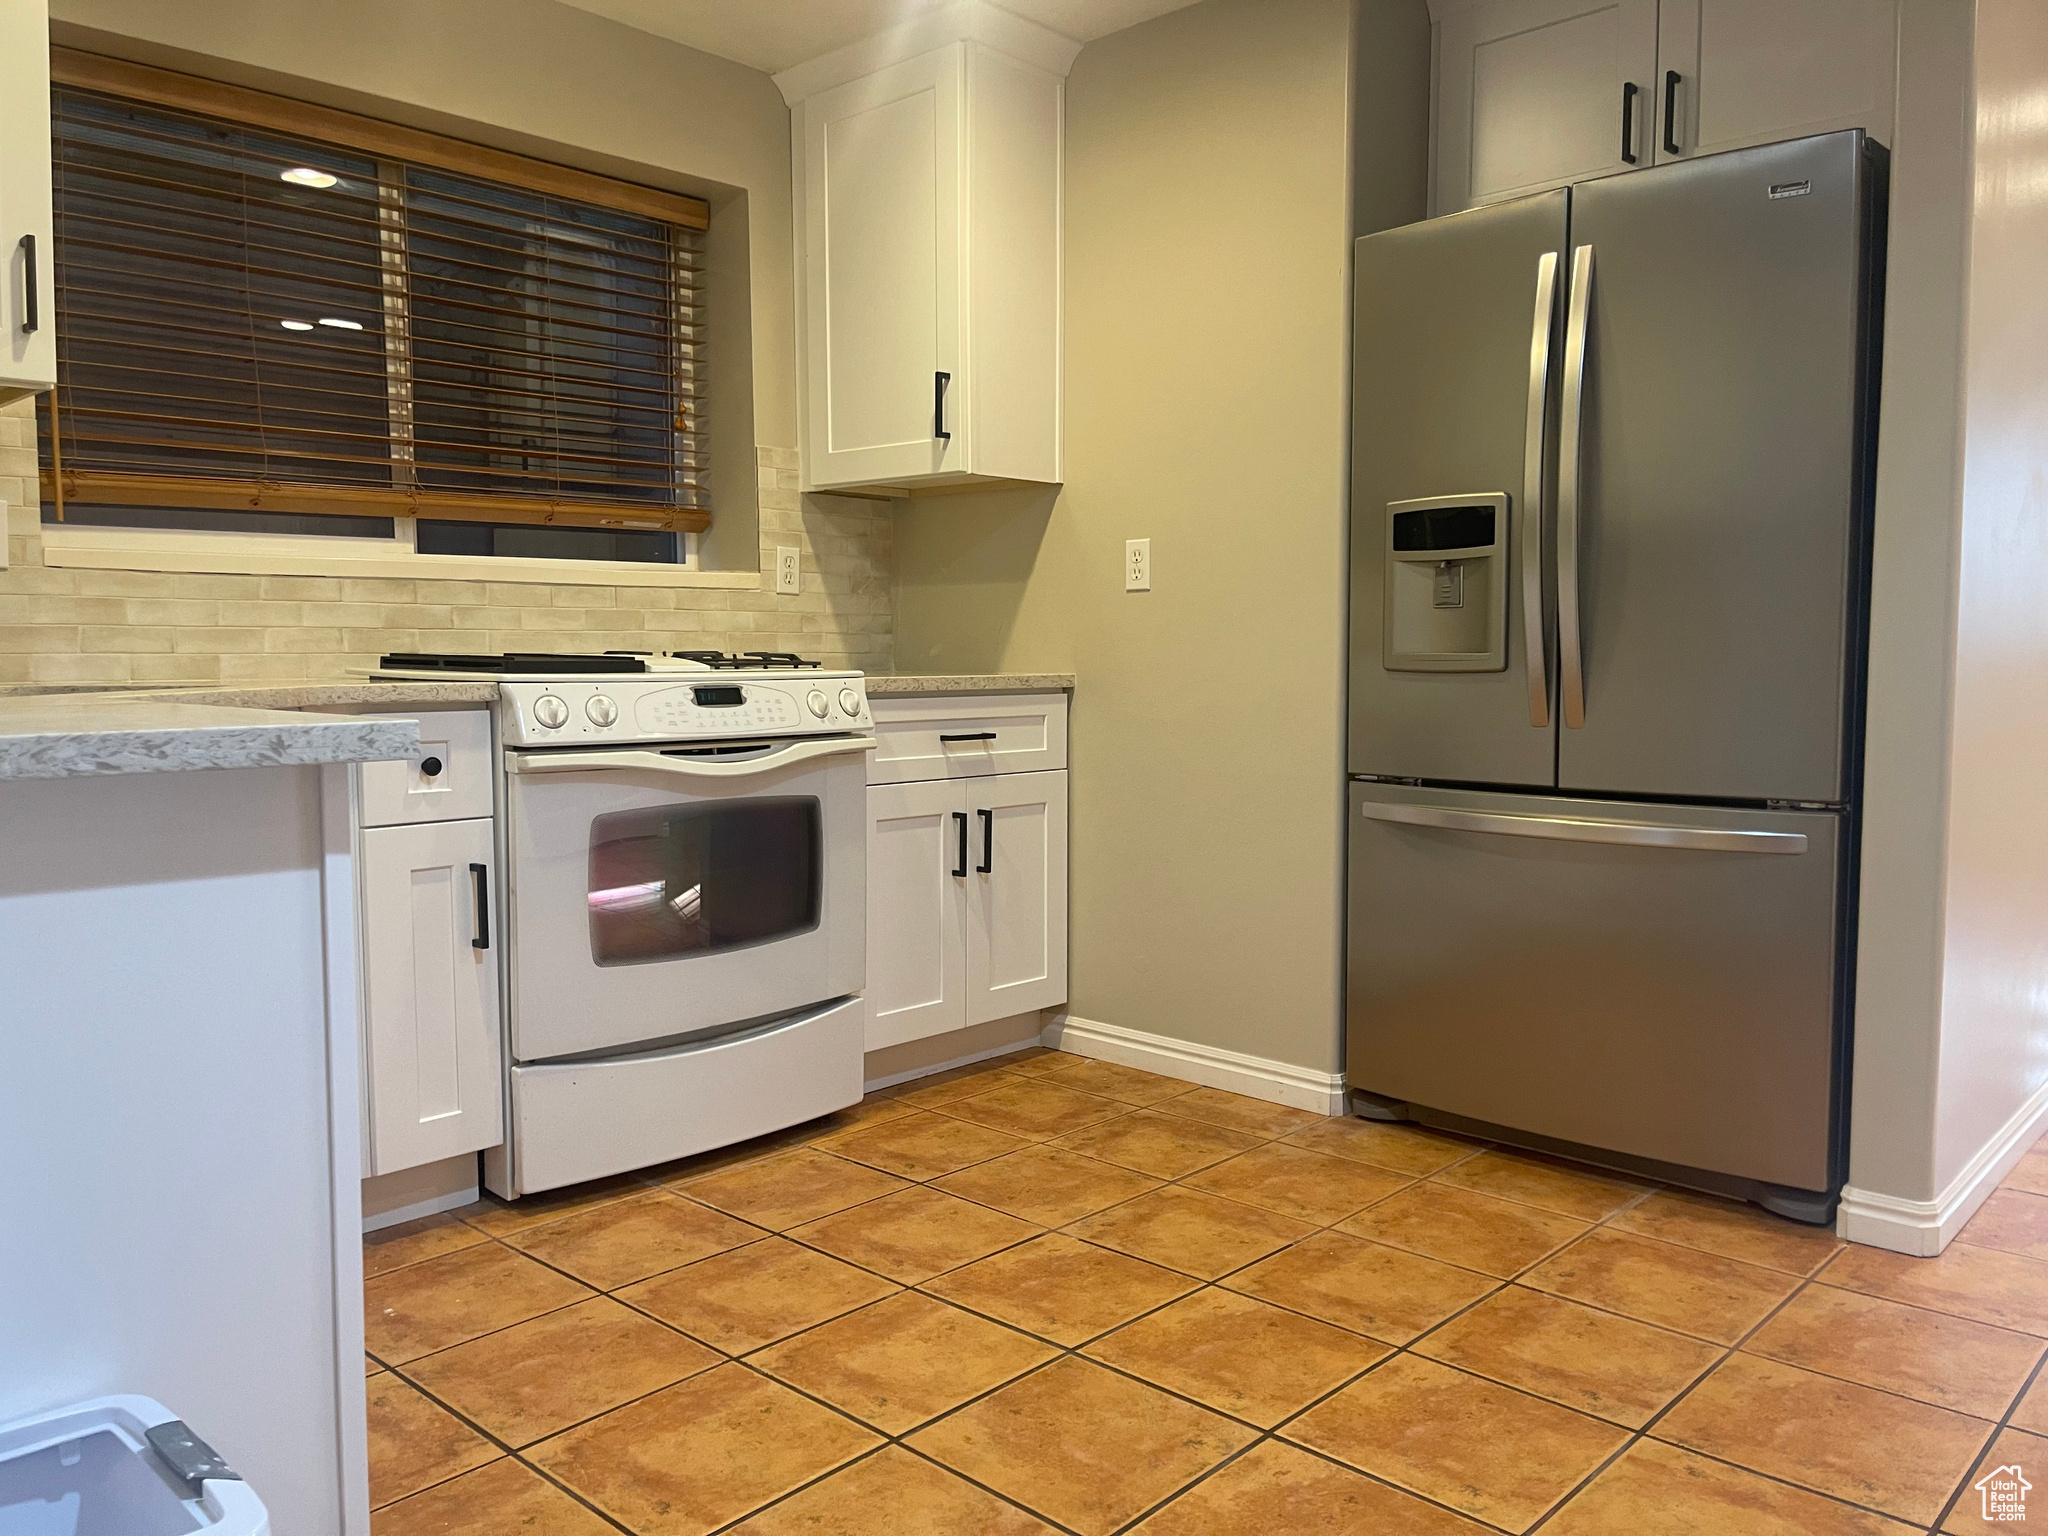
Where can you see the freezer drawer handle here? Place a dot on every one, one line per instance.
(1570, 448)
(1535, 655)
(1628, 122)
(658, 762)
(1572, 829)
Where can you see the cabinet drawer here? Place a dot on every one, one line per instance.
(967, 736)
(402, 791)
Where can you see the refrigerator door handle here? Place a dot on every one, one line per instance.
(1535, 651)
(1572, 829)
(1571, 663)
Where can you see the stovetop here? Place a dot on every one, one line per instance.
(545, 664)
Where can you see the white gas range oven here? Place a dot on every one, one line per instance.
(684, 913)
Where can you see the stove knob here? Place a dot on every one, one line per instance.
(850, 702)
(550, 711)
(602, 711)
(817, 703)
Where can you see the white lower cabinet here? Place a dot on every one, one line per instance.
(1016, 894)
(967, 902)
(917, 912)
(430, 984)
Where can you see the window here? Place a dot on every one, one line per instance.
(276, 318)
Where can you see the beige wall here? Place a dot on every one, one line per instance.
(1912, 617)
(1952, 1014)
(547, 80)
(1207, 270)
(1994, 1050)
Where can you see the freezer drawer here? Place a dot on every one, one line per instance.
(1651, 980)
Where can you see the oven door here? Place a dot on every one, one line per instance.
(656, 897)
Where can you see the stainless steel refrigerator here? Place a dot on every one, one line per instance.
(1611, 474)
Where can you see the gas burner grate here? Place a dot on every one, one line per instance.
(747, 661)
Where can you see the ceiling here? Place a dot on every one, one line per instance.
(775, 34)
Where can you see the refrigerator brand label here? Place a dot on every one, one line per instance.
(1791, 188)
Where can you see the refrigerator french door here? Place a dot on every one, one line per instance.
(1612, 450)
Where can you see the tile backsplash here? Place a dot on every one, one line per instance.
(67, 625)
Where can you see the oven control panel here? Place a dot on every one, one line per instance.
(714, 707)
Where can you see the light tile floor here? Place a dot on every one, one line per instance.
(1051, 1294)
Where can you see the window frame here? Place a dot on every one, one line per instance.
(105, 547)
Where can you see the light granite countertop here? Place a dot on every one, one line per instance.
(71, 736)
(880, 683)
(61, 733)
(349, 691)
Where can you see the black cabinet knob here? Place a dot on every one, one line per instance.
(431, 767)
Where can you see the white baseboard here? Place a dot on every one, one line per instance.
(1277, 1082)
(1923, 1228)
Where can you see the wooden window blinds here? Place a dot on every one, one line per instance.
(265, 305)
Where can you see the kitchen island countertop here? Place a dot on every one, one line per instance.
(78, 735)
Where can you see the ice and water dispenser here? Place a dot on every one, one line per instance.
(1447, 584)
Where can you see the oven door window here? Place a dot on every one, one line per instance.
(685, 880)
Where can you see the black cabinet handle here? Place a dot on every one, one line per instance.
(961, 818)
(1628, 122)
(988, 843)
(939, 383)
(1671, 79)
(430, 767)
(971, 736)
(482, 880)
(31, 314)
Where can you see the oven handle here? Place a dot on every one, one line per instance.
(708, 768)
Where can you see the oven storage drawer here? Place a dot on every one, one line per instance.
(586, 1120)
(456, 745)
(965, 736)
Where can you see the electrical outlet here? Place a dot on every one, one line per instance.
(788, 573)
(1137, 565)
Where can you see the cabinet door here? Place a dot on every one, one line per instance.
(28, 257)
(1757, 71)
(917, 959)
(1017, 895)
(1533, 94)
(882, 259)
(430, 993)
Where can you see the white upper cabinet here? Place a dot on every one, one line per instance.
(28, 309)
(1533, 94)
(928, 188)
(1755, 71)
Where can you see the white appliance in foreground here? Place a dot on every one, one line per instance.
(684, 911)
